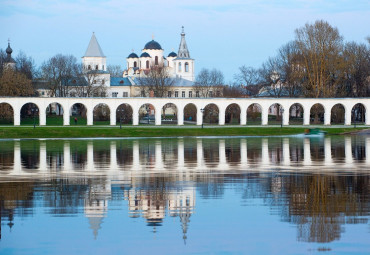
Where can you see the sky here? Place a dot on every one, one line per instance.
(222, 34)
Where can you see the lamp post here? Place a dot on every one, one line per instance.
(34, 110)
(202, 111)
(120, 112)
(147, 111)
(282, 112)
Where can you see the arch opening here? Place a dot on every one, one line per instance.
(275, 112)
(6, 114)
(54, 114)
(210, 114)
(30, 113)
(190, 114)
(317, 113)
(358, 114)
(337, 115)
(147, 114)
(232, 114)
(78, 114)
(101, 114)
(169, 114)
(296, 114)
(254, 114)
(124, 114)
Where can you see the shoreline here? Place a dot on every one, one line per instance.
(66, 132)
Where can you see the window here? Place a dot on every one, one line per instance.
(176, 94)
(114, 94)
(94, 82)
(169, 94)
(196, 93)
(125, 94)
(102, 67)
(147, 64)
(103, 82)
(142, 93)
(179, 67)
(186, 67)
(135, 64)
(156, 60)
(89, 67)
(183, 94)
(190, 93)
(96, 67)
(218, 93)
(210, 94)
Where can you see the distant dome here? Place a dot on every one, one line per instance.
(9, 50)
(152, 45)
(172, 54)
(145, 55)
(133, 55)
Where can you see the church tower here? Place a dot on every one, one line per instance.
(94, 58)
(9, 61)
(184, 64)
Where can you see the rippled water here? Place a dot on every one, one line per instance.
(285, 195)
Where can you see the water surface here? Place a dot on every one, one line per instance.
(286, 195)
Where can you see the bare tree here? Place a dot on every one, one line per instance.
(115, 70)
(26, 65)
(60, 71)
(272, 78)
(156, 82)
(320, 46)
(248, 77)
(90, 84)
(208, 81)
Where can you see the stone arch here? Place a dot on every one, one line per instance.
(101, 114)
(275, 114)
(232, 114)
(296, 112)
(54, 114)
(6, 114)
(147, 114)
(358, 114)
(254, 112)
(317, 114)
(30, 113)
(169, 114)
(124, 114)
(211, 114)
(337, 115)
(78, 114)
(190, 114)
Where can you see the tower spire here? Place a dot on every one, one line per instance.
(183, 48)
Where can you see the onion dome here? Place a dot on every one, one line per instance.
(172, 54)
(152, 45)
(9, 50)
(145, 55)
(133, 55)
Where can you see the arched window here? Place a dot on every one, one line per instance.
(186, 67)
(96, 67)
(179, 67)
(147, 64)
(103, 67)
(89, 67)
(156, 60)
(135, 64)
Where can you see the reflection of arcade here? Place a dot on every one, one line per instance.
(30, 159)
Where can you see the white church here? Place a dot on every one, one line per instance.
(179, 66)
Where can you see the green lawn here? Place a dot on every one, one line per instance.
(129, 131)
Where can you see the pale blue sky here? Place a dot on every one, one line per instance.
(223, 34)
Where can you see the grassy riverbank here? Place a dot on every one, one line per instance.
(152, 131)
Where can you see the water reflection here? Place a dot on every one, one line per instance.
(320, 185)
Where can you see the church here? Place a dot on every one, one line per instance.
(179, 66)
